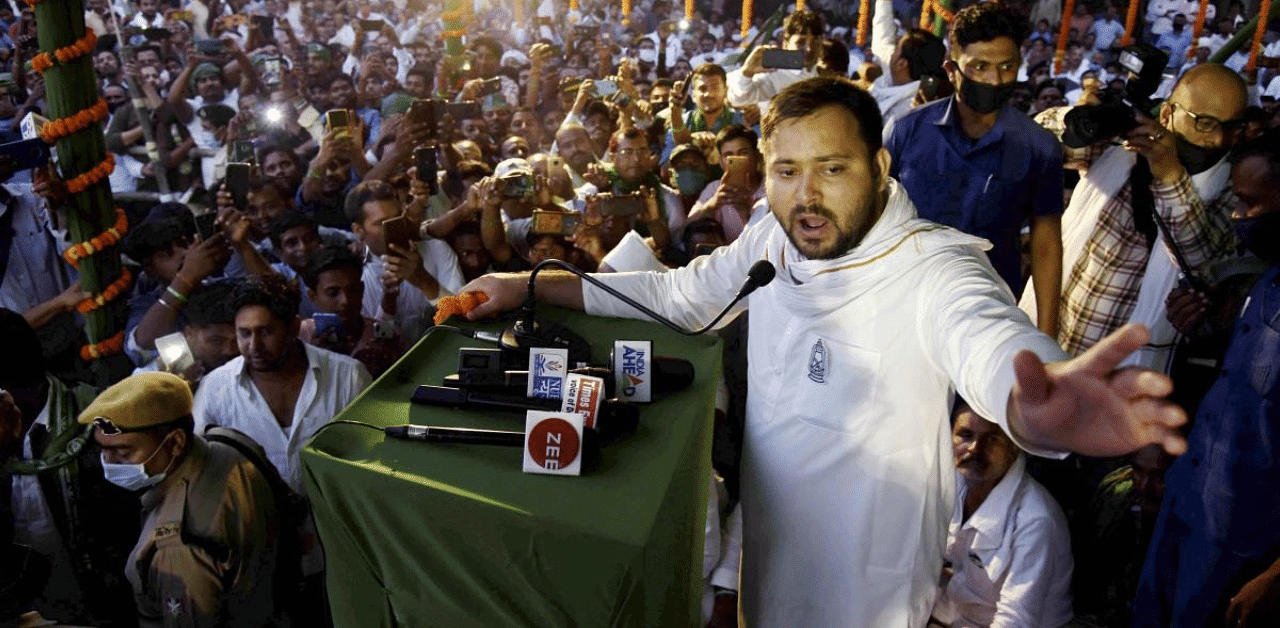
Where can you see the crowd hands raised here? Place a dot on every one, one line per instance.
(327, 171)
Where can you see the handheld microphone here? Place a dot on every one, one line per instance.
(616, 420)
(501, 438)
(526, 327)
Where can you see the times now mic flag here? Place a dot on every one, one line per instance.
(633, 369)
(583, 394)
(553, 443)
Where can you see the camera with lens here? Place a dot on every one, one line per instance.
(1117, 115)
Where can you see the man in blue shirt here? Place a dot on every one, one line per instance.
(972, 162)
(1214, 559)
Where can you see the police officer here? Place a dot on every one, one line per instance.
(207, 551)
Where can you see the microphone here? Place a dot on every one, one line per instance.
(502, 438)
(616, 420)
(525, 331)
(669, 375)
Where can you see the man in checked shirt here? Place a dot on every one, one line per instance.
(1170, 170)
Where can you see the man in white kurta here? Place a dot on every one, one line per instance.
(855, 348)
(847, 480)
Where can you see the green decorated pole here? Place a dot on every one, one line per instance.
(71, 88)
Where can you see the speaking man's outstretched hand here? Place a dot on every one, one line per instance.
(1088, 406)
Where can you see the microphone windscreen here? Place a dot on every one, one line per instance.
(671, 374)
(761, 273)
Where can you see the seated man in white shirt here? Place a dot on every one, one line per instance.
(280, 390)
(754, 84)
(1008, 549)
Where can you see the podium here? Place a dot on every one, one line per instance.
(425, 534)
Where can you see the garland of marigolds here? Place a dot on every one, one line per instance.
(1130, 19)
(64, 127)
(1199, 28)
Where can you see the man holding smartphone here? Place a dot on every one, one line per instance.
(710, 114)
(756, 82)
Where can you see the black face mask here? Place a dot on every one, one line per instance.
(1197, 159)
(1260, 235)
(983, 97)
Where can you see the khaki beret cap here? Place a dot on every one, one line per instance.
(141, 401)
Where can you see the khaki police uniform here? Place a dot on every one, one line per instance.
(210, 530)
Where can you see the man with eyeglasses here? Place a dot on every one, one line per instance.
(207, 552)
(1152, 206)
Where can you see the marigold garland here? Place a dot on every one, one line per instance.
(108, 295)
(82, 47)
(1199, 29)
(1255, 48)
(99, 172)
(864, 22)
(110, 346)
(455, 33)
(78, 121)
(110, 237)
(1064, 33)
(33, 3)
(1130, 19)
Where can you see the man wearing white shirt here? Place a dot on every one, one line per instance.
(399, 284)
(874, 320)
(1009, 549)
(147, 16)
(280, 391)
(754, 84)
(903, 63)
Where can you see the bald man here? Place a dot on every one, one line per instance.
(1163, 187)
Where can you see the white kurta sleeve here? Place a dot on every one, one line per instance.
(973, 330)
(689, 296)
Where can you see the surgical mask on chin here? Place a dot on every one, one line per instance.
(648, 56)
(1197, 159)
(689, 181)
(132, 477)
(983, 97)
(1259, 235)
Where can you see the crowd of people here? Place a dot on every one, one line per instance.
(304, 181)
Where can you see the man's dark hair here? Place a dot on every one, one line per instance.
(289, 220)
(23, 366)
(1266, 146)
(210, 304)
(664, 82)
(737, 132)
(709, 69)
(424, 73)
(273, 292)
(924, 53)
(174, 211)
(331, 257)
(835, 56)
(1047, 84)
(985, 22)
(629, 133)
(272, 149)
(532, 238)
(805, 97)
(699, 227)
(333, 77)
(153, 236)
(802, 22)
(367, 191)
(484, 41)
(465, 228)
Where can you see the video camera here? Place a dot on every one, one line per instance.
(1089, 124)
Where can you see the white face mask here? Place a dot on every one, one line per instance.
(132, 477)
(647, 55)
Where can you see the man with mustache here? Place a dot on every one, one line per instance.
(876, 318)
(1008, 559)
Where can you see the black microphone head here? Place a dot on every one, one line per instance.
(761, 273)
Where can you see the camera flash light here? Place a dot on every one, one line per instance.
(273, 114)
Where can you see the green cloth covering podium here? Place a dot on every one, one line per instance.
(456, 535)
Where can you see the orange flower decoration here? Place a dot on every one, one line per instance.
(110, 346)
(79, 121)
(114, 290)
(110, 237)
(99, 172)
(66, 54)
(460, 305)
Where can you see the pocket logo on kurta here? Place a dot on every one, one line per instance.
(818, 363)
